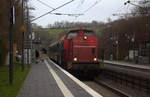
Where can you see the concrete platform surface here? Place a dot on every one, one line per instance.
(47, 79)
(140, 66)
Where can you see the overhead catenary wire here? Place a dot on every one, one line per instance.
(87, 8)
(80, 3)
(91, 6)
(76, 15)
(122, 14)
(45, 4)
(67, 14)
(52, 10)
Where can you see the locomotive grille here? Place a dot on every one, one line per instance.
(84, 53)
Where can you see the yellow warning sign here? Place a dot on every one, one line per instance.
(22, 28)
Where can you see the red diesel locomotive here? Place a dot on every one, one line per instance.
(76, 50)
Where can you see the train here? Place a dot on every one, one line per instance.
(76, 50)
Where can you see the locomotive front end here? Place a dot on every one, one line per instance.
(84, 51)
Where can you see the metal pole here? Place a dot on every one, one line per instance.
(11, 44)
(117, 47)
(31, 44)
(28, 33)
(129, 50)
(134, 48)
(22, 35)
(117, 51)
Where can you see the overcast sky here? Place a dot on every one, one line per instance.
(100, 12)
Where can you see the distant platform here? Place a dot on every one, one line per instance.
(139, 66)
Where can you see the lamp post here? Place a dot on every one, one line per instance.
(128, 46)
(117, 43)
(133, 41)
(11, 42)
(22, 28)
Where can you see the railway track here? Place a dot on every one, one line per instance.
(118, 81)
(123, 81)
(104, 90)
(128, 84)
(95, 84)
(131, 80)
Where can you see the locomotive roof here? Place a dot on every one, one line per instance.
(80, 29)
(62, 38)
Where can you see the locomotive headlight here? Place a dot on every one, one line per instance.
(85, 37)
(75, 59)
(95, 59)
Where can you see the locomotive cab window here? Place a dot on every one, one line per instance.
(72, 35)
(86, 33)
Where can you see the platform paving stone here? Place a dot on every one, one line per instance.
(40, 83)
(76, 90)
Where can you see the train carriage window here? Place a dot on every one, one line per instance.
(72, 35)
(86, 33)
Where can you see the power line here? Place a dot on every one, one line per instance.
(52, 10)
(67, 14)
(91, 6)
(80, 3)
(45, 4)
(59, 13)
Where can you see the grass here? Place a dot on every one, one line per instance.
(7, 90)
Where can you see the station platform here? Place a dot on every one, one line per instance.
(47, 79)
(139, 66)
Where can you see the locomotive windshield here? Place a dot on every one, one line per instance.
(72, 35)
(87, 33)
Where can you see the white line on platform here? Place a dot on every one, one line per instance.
(66, 92)
(85, 87)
